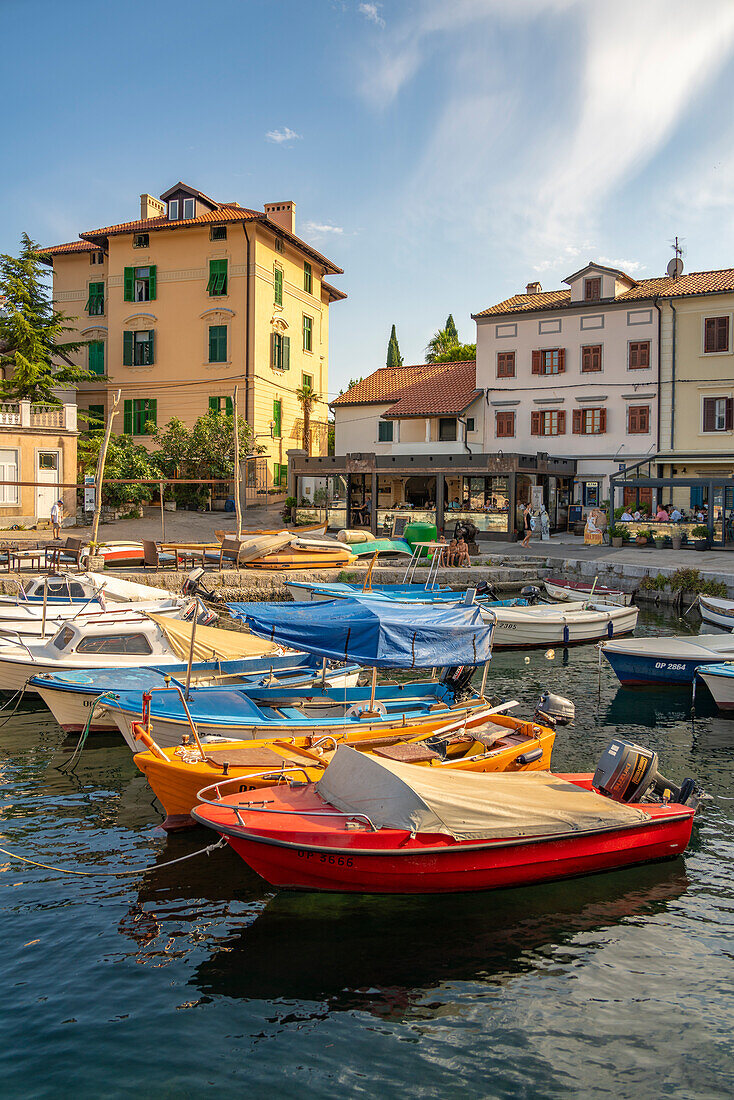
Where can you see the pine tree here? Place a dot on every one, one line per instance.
(31, 331)
(394, 358)
(451, 330)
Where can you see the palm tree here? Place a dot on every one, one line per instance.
(306, 396)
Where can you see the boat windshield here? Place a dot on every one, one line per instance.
(63, 637)
(115, 643)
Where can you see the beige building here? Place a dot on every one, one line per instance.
(37, 445)
(192, 298)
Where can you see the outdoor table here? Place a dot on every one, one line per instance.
(17, 557)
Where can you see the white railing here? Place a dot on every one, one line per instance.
(9, 415)
(43, 416)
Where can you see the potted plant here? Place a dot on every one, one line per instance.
(286, 511)
(676, 538)
(659, 539)
(643, 536)
(618, 534)
(700, 536)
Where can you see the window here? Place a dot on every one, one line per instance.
(549, 361)
(307, 333)
(189, 208)
(504, 424)
(307, 278)
(173, 210)
(221, 405)
(96, 418)
(138, 413)
(138, 349)
(592, 289)
(48, 461)
(280, 351)
(278, 244)
(470, 424)
(217, 343)
(63, 637)
(217, 285)
(280, 474)
(716, 334)
(8, 472)
(717, 414)
(139, 284)
(278, 286)
(95, 301)
(384, 431)
(278, 418)
(638, 419)
(96, 356)
(141, 240)
(218, 233)
(115, 643)
(552, 422)
(505, 364)
(307, 380)
(591, 493)
(639, 355)
(96, 257)
(590, 358)
(589, 421)
(447, 429)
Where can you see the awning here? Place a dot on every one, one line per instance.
(386, 635)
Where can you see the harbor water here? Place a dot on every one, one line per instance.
(197, 979)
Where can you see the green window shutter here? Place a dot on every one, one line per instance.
(129, 284)
(228, 407)
(212, 348)
(307, 333)
(213, 404)
(277, 417)
(273, 349)
(127, 348)
(151, 346)
(152, 283)
(152, 412)
(217, 284)
(217, 343)
(278, 287)
(128, 418)
(96, 357)
(307, 278)
(286, 353)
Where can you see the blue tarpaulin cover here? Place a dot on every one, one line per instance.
(376, 634)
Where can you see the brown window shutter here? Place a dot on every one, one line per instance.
(645, 418)
(562, 422)
(709, 341)
(709, 414)
(561, 359)
(632, 420)
(602, 420)
(537, 362)
(729, 414)
(511, 423)
(535, 418)
(723, 333)
(576, 420)
(645, 354)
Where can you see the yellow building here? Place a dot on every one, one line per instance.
(37, 459)
(192, 298)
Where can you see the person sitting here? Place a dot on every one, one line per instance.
(455, 504)
(626, 517)
(661, 516)
(676, 516)
(637, 515)
(462, 553)
(451, 553)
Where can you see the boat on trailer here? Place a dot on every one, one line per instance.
(372, 825)
(558, 588)
(672, 660)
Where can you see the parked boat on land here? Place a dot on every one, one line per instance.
(719, 679)
(673, 660)
(488, 741)
(58, 589)
(716, 611)
(118, 553)
(558, 588)
(372, 825)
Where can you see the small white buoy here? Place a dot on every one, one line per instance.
(550, 654)
(527, 660)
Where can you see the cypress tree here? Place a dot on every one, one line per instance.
(394, 358)
(451, 330)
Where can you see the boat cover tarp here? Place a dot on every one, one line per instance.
(383, 634)
(466, 805)
(210, 642)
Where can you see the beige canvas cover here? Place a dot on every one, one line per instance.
(211, 643)
(466, 805)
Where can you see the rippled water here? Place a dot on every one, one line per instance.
(193, 979)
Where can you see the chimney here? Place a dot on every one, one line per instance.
(533, 288)
(151, 208)
(283, 214)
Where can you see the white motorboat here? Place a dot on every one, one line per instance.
(719, 679)
(33, 621)
(558, 624)
(672, 660)
(718, 612)
(558, 588)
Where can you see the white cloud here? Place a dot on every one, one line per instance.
(631, 267)
(278, 137)
(372, 12)
(317, 229)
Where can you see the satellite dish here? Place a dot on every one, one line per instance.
(675, 267)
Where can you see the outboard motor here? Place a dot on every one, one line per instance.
(487, 591)
(458, 678)
(531, 593)
(192, 587)
(628, 772)
(553, 710)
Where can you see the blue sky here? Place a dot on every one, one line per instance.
(443, 152)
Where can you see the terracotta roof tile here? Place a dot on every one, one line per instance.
(71, 246)
(385, 384)
(426, 389)
(697, 282)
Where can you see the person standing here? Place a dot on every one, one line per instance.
(57, 514)
(527, 525)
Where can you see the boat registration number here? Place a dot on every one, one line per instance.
(337, 861)
(673, 666)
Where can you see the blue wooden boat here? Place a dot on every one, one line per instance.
(316, 591)
(639, 661)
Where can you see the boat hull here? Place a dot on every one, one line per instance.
(636, 670)
(721, 686)
(575, 590)
(538, 627)
(718, 612)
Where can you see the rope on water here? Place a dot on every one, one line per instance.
(20, 693)
(117, 874)
(73, 760)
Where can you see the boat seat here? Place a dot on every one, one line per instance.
(489, 737)
(408, 754)
(246, 756)
(283, 701)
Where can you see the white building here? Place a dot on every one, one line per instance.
(574, 373)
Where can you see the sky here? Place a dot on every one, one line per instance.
(443, 152)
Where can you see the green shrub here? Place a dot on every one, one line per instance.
(654, 584)
(619, 531)
(644, 533)
(700, 531)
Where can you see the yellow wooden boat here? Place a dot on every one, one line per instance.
(293, 558)
(486, 741)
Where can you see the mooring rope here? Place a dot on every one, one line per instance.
(117, 874)
(73, 760)
(20, 693)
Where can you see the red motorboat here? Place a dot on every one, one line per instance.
(560, 588)
(376, 826)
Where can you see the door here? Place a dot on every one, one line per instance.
(47, 476)
(632, 495)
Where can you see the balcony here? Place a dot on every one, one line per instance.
(22, 414)
(435, 447)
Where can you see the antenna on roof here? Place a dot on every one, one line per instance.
(675, 266)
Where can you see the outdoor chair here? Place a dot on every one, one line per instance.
(156, 558)
(68, 554)
(230, 553)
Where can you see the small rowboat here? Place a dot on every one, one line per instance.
(718, 612)
(376, 826)
(294, 558)
(719, 679)
(558, 588)
(557, 624)
(117, 553)
(484, 743)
